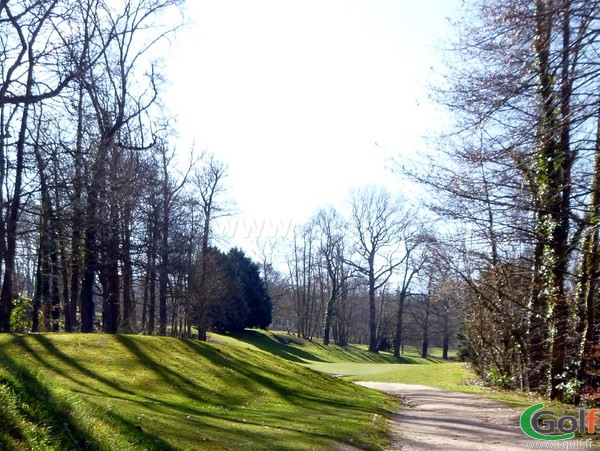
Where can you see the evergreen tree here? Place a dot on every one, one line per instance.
(235, 292)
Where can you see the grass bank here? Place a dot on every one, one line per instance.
(62, 392)
(355, 363)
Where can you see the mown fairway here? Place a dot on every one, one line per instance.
(129, 392)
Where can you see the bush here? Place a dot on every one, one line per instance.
(21, 319)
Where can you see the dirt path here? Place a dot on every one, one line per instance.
(434, 419)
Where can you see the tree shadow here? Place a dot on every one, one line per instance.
(135, 434)
(275, 347)
(288, 349)
(38, 408)
(232, 365)
(69, 361)
(191, 389)
(271, 378)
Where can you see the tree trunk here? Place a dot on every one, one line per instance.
(399, 323)
(425, 342)
(372, 310)
(145, 304)
(77, 220)
(562, 216)
(7, 295)
(163, 273)
(446, 330)
(37, 294)
(329, 312)
(553, 164)
(128, 320)
(587, 296)
(110, 285)
(90, 260)
(55, 279)
(90, 264)
(203, 304)
(152, 302)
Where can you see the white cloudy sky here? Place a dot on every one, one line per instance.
(306, 99)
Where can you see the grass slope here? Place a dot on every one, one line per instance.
(355, 363)
(63, 392)
(299, 350)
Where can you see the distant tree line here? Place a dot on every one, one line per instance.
(371, 276)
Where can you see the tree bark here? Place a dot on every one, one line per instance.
(399, 322)
(372, 308)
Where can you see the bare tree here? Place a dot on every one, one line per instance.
(123, 38)
(332, 250)
(414, 239)
(375, 224)
(209, 182)
(517, 170)
(25, 28)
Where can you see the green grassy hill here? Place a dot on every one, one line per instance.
(355, 363)
(124, 392)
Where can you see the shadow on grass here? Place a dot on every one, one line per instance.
(271, 379)
(289, 349)
(308, 390)
(38, 417)
(275, 347)
(170, 376)
(53, 413)
(38, 409)
(246, 377)
(135, 434)
(67, 360)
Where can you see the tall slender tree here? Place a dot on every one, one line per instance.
(375, 224)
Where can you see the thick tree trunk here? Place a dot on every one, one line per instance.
(399, 323)
(37, 294)
(91, 256)
(587, 294)
(110, 285)
(372, 312)
(55, 292)
(163, 272)
(152, 302)
(89, 273)
(553, 163)
(562, 216)
(203, 321)
(446, 330)
(64, 275)
(329, 312)
(75, 274)
(162, 295)
(7, 294)
(145, 304)
(425, 338)
(538, 328)
(129, 321)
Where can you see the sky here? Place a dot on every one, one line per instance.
(305, 100)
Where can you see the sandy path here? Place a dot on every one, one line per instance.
(434, 419)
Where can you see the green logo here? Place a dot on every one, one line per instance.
(549, 428)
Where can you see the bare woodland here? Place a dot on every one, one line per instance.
(101, 229)
(518, 179)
